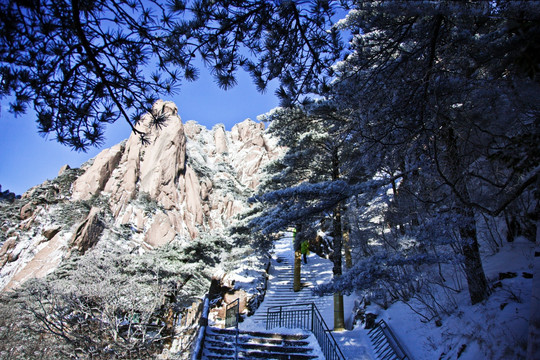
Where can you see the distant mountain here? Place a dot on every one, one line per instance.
(186, 181)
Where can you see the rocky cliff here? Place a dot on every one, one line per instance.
(187, 180)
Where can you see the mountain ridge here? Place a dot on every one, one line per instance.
(186, 181)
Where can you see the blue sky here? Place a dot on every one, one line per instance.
(27, 159)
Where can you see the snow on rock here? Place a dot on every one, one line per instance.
(36, 265)
(185, 181)
(179, 170)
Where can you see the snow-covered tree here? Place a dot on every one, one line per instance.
(112, 304)
(445, 93)
(312, 181)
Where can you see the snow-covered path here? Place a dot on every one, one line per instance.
(354, 344)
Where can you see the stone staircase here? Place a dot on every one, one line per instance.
(280, 289)
(219, 344)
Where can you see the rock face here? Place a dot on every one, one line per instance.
(88, 232)
(185, 180)
(94, 179)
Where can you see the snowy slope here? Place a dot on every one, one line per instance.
(495, 329)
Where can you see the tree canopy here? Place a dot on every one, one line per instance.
(441, 102)
(83, 64)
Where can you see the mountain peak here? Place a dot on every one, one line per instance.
(185, 181)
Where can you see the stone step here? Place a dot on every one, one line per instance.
(299, 299)
(220, 344)
(305, 288)
(256, 334)
(227, 348)
(253, 354)
(250, 342)
(279, 293)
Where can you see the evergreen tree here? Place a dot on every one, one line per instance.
(444, 92)
(313, 179)
(83, 64)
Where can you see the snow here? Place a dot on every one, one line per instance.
(354, 344)
(494, 329)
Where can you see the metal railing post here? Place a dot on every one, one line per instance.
(199, 343)
(312, 315)
(237, 333)
(229, 322)
(318, 326)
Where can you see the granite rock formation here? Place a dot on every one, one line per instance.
(185, 181)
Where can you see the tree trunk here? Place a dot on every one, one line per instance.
(396, 219)
(474, 272)
(339, 316)
(297, 286)
(456, 169)
(339, 319)
(347, 248)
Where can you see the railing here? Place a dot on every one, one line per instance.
(197, 350)
(306, 317)
(385, 343)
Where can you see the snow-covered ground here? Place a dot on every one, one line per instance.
(495, 329)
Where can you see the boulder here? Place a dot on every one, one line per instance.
(192, 129)
(370, 321)
(249, 132)
(27, 211)
(88, 232)
(161, 231)
(63, 169)
(192, 198)
(8, 245)
(220, 139)
(50, 232)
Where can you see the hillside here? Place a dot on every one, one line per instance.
(186, 181)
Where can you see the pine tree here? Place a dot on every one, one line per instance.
(83, 64)
(319, 146)
(443, 92)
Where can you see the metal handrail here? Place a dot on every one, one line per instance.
(391, 346)
(197, 351)
(305, 316)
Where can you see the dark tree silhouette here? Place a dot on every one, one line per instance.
(83, 64)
